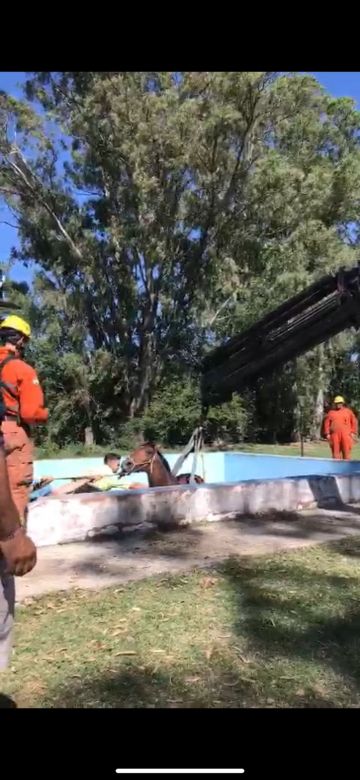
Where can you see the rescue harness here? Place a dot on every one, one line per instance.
(195, 445)
(8, 413)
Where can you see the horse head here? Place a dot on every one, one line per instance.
(141, 459)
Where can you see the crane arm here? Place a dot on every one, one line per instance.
(322, 310)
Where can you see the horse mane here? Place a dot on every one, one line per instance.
(161, 456)
(163, 459)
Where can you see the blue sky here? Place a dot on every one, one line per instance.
(340, 84)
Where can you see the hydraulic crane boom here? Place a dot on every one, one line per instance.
(322, 310)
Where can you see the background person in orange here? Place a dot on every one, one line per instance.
(23, 400)
(340, 428)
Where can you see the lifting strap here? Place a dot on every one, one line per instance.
(194, 444)
(199, 441)
(11, 389)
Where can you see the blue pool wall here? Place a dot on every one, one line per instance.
(243, 466)
(213, 466)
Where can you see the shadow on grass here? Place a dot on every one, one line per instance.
(134, 688)
(289, 617)
(127, 688)
(279, 622)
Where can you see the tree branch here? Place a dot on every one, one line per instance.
(36, 192)
(4, 222)
(223, 305)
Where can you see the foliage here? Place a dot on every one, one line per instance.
(166, 211)
(229, 422)
(175, 411)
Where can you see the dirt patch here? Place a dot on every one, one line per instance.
(103, 562)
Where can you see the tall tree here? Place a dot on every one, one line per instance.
(167, 210)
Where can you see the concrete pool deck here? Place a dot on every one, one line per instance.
(81, 517)
(104, 563)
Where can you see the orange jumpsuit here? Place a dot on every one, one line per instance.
(24, 402)
(340, 424)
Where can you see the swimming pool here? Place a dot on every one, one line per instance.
(215, 467)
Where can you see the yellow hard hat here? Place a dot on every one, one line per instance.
(339, 399)
(17, 324)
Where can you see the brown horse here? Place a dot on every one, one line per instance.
(148, 458)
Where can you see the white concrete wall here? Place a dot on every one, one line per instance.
(79, 517)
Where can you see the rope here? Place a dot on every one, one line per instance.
(203, 465)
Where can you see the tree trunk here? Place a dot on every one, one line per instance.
(318, 414)
(147, 363)
(132, 408)
(89, 436)
(319, 400)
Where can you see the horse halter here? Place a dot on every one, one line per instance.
(141, 466)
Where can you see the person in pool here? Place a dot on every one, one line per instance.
(102, 479)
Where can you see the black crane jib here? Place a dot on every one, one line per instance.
(322, 310)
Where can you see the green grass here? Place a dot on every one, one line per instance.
(317, 449)
(280, 631)
(76, 450)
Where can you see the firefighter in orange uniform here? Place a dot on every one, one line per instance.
(23, 400)
(340, 429)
